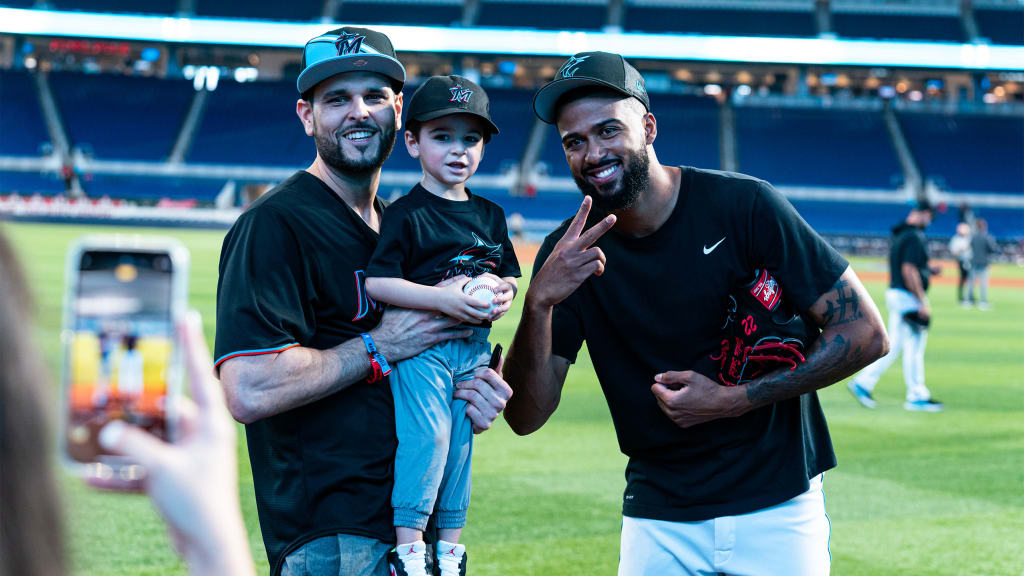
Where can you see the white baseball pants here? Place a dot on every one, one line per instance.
(902, 338)
(788, 539)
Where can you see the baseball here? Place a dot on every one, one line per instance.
(483, 289)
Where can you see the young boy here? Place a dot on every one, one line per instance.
(440, 231)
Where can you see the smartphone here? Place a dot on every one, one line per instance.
(495, 357)
(123, 298)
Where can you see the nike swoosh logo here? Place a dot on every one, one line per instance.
(710, 250)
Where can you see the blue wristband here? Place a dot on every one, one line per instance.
(375, 358)
(371, 346)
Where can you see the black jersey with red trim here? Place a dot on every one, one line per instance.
(291, 274)
(659, 307)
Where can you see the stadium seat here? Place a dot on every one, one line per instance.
(29, 183)
(512, 112)
(1001, 26)
(260, 10)
(543, 15)
(252, 123)
(877, 219)
(122, 117)
(687, 130)
(898, 26)
(24, 131)
(816, 147)
(120, 6)
(968, 153)
(410, 13)
(720, 22)
(150, 187)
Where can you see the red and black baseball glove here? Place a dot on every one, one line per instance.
(761, 333)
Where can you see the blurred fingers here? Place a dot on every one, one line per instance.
(140, 446)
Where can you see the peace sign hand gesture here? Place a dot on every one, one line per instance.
(572, 261)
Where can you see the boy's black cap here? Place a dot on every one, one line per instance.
(598, 69)
(348, 49)
(443, 95)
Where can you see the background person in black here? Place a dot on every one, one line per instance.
(909, 315)
(646, 288)
(290, 311)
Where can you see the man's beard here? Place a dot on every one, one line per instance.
(634, 181)
(332, 154)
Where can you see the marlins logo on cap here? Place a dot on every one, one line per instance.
(349, 49)
(443, 95)
(595, 69)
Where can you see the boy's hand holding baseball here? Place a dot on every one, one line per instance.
(455, 303)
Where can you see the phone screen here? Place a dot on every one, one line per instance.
(120, 348)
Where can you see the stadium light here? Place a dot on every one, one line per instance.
(806, 51)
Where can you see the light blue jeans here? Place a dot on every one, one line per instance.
(435, 437)
(339, 555)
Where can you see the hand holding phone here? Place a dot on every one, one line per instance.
(193, 481)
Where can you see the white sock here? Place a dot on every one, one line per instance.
(413, 557)
(449, 557)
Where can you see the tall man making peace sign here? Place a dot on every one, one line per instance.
(720, 478)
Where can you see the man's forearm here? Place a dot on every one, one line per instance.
(852, 337)
(261, 386)
(529, 370)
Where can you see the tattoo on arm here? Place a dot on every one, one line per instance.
(843, 305)
(835, 355)
(831, 359)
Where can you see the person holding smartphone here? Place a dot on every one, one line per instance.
(193, 482)
(303, 352)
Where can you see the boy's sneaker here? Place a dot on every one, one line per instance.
(929, 405)
(408, 559)
(451, 559)
(984, 306)
(862, 395)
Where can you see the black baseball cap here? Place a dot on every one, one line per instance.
(349, 49)
(597, 69)
(444, 95)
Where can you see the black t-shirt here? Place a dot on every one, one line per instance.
(907, 246)
(291, 273)
(659, 306)
(425, 239)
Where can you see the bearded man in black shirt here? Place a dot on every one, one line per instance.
(302, 351)
(720, 479)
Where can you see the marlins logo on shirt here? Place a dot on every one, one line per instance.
(475, 260)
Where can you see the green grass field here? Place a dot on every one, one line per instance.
(913, 494)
